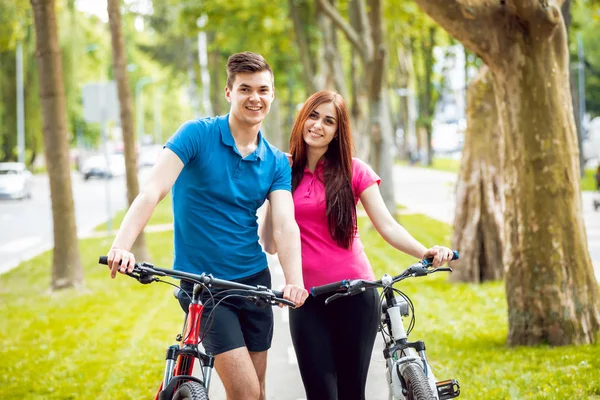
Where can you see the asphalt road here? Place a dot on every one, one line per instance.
(27, 224)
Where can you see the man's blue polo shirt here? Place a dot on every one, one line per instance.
(216, 196)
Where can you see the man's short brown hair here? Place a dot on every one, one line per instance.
(245, 62)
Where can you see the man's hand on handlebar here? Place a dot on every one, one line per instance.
(440, 255)
(120, 260)
(295, 293)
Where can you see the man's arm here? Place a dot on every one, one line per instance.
(287, 240)
(162, 177)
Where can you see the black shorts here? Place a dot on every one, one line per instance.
(237, 322)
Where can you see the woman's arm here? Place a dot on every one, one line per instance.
(265, 228)
(394, 233)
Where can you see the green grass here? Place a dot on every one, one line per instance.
(445, 164)
(108, 342)
(588, 182)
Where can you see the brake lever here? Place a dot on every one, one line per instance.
(447, 269)
(335, 296)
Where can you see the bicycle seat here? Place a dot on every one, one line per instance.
(176, 293)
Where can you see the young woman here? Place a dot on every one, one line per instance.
(333, 343)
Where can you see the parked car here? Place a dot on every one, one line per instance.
(95, 166)
(15, 181)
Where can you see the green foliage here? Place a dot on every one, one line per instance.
(13, 13)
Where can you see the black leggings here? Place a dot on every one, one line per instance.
(333, 344)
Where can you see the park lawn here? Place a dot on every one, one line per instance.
(108, 342)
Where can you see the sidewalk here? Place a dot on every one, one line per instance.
(432, 193)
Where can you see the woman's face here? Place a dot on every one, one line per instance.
(321, 126)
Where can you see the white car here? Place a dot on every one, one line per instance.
(95, 166)
(15, 181)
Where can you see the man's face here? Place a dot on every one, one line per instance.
(251, 96)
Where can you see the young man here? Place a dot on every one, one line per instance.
(221, 170)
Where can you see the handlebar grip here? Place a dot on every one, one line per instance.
(330, 287)
(454, 257)
(103, 260)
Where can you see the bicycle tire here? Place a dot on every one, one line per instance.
(191, 391)
(417, 385)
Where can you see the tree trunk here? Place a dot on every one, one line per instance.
(217, 83)
(334, 76)
(129, 140)
(66, 265)
(308, 65)
(478, 222)
(192, 85)
(428, 105)
(551, 290)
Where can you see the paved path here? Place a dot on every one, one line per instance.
(431, 192)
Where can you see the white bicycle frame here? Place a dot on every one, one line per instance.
(397, 360)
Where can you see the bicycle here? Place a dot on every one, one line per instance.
(178, 382)
(409, 375)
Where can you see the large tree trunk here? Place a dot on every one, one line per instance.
(125, 103)
(478, 223)
(66, 265)
(551, 290)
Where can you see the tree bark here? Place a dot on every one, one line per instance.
(217, 82)
(66, 265)
(478, 222)
(308, 66)
(129, 139)
(551, 290)
(334, 75)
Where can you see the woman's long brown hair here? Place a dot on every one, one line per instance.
(341, 209)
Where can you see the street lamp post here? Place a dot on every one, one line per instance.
(139, 105)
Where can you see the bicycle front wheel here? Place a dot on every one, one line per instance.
(417, 385)
(191, 391)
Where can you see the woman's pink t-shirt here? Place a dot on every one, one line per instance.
(323, 261)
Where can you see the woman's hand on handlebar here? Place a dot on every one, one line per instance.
(120, 260)
(440, 254)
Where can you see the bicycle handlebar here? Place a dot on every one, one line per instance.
(351, 287)
(146, 273)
